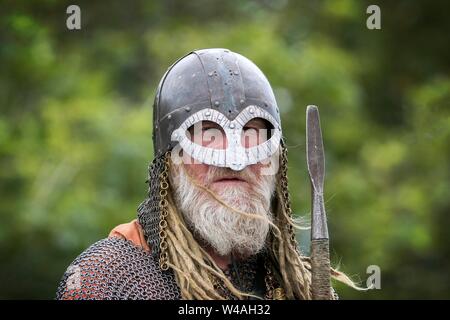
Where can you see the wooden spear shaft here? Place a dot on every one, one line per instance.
(320, 253)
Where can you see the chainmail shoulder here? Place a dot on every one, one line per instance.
(116, 269)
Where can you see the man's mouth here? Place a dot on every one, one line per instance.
(230, 180)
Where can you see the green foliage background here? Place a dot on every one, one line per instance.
(75, 125)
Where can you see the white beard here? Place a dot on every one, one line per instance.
(225, 230)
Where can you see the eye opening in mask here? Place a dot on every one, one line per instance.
(207, 134)
(256, 131)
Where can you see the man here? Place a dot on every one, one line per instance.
(217, 222)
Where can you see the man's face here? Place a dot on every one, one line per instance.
(249, 190)
(210, 134)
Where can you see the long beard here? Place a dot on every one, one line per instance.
(222, 228)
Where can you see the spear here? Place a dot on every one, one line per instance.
(320, 253)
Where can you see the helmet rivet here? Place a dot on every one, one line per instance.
(252, 110)
(188, 109)
(169, 116)
(210, 74)
(207, 114)
(236, 72)
(216, 103)
(241, 101)
(232, 125)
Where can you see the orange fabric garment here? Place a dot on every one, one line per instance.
(131, 231)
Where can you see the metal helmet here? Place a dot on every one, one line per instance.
(221, 86)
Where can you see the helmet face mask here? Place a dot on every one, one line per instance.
(235, 156)
(222, 87)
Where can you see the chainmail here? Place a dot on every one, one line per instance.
(243, 274)
(116, 269)
(253, 275)
(149, 211)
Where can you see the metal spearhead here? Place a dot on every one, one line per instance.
(320, 253)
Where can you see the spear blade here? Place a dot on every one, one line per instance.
(320, 255)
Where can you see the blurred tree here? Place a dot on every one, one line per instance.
(75, 125)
